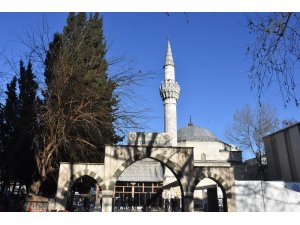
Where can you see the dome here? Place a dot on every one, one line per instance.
(195, 133)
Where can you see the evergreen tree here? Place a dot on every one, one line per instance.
(27, 117)
(10, 111)
(2, 166)
(18, 118)
(9, 123)
(77, 118)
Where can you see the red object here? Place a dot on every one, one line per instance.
(30, 208)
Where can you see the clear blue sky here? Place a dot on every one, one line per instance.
(208, 51)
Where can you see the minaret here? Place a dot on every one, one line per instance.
(169, 92)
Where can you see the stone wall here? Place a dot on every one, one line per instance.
(213, 151)
(283, 154)
(267, 196)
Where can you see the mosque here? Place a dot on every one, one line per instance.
(206, 148)
(185, 169)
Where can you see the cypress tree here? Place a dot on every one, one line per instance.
(18, 118)
(27, 118)
(10, 118)
(77, 119)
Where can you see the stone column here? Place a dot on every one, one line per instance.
(231, 203)
(132, 190)
(230, 193)
(97, 201)
(63, 185)
(107, 201)
(188, 202)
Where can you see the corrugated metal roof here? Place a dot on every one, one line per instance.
(146, 170)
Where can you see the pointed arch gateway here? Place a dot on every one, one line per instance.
(223, 177)
(70, 174)
(178, 159)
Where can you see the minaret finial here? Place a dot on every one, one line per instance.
(190, 123)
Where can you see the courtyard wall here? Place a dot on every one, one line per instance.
(267, 196)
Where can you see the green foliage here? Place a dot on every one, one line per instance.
(78, 114)
(17, 120)
(9, 122)
(10, 112)
(27, 116)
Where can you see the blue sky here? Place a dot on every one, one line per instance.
(208, 51)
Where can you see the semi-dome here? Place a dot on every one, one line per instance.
(195, 133)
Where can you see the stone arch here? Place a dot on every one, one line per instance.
(223, 184)
(178, 159)
(175, 169)
(215, 177)
(86, 172)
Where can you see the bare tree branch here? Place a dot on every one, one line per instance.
(275, 54)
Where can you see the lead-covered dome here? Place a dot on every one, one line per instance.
(195, 133)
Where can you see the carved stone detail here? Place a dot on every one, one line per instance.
(169, 89)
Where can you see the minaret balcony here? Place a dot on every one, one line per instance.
(169, 89)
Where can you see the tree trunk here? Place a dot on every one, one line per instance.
(34, 188)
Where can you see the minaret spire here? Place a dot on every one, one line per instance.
(169, 57)
(169, 92)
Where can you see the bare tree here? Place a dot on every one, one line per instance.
(250, 126)
(275, 54)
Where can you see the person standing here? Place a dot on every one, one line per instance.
(167, 203)
(118, 203)
(135, 203)
(130, 203)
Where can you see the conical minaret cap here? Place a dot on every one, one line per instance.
(169, 57)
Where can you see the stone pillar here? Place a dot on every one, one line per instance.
(107, 201)
(63, 185)
(230, 193)
(61, 200)
(188, 202)
(97, 201)
(132, 190)
(231, 203)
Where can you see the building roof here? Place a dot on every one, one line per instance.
(195, 133)
(146, 170)
(282, 130)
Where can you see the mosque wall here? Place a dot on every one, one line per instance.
(212, 151)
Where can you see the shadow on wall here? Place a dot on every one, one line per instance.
(266, 196)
